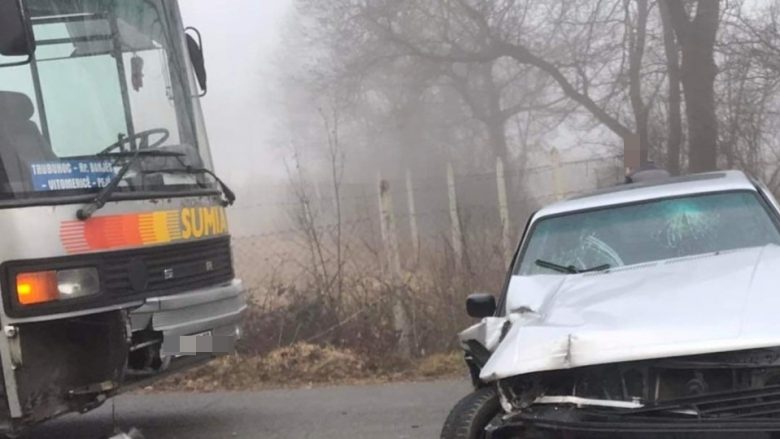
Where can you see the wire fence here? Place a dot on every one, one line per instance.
(273, 243)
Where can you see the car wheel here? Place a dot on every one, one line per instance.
(471, 415)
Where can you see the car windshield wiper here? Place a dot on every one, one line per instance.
(601, 267)
(230, 196)
(102, 197)
(570, 269)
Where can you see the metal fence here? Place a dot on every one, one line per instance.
(462, 213)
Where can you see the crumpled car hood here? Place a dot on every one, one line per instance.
(696, 305)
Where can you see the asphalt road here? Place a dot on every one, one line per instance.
(391, 411)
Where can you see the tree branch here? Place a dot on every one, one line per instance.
(523, 107)
(525, 56)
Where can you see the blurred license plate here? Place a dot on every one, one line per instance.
(200, 343)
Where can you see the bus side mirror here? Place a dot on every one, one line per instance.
(481, 305)
(16, 37)
(195, 49)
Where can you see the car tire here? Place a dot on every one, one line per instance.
(471, 415)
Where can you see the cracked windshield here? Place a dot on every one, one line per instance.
(390, 219)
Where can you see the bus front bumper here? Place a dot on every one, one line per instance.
(215, 311)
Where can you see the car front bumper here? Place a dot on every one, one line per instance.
(518, 427)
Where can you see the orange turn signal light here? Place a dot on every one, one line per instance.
(39, 287)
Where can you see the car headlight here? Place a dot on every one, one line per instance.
(49, 286)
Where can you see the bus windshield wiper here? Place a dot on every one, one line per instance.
(230, 196)
(133, 156)
(569, 269)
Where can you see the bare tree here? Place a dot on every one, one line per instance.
(674, 100)
(336, 158)
(494, 94)
(470, 33)
(696, 35)
(306, 219)
(747, 91)
(637, 36)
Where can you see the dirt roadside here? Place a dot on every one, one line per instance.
(304, 365)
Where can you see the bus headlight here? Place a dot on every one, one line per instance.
(49, 286)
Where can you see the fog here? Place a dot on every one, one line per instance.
(240, 39)
(313, 100)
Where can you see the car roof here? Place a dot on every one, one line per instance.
(670, 187)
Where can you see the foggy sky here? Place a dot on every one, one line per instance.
(240, 37)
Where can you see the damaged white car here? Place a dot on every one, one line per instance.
(645, 308)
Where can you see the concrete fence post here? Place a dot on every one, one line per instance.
(503, 211)
(412, 215)
(390, 240)
(559, 181)
(455, 229)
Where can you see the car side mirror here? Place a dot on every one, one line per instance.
(481, 305)
(195, 49)
(16, 37)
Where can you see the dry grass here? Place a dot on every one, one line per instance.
(441, 365)
(305, 364)
(311, 324)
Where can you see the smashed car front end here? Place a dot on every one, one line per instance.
(723, 392)
(677, 346)
(642, 310)
(686, 345)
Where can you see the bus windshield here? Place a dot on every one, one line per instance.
(108, 78)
